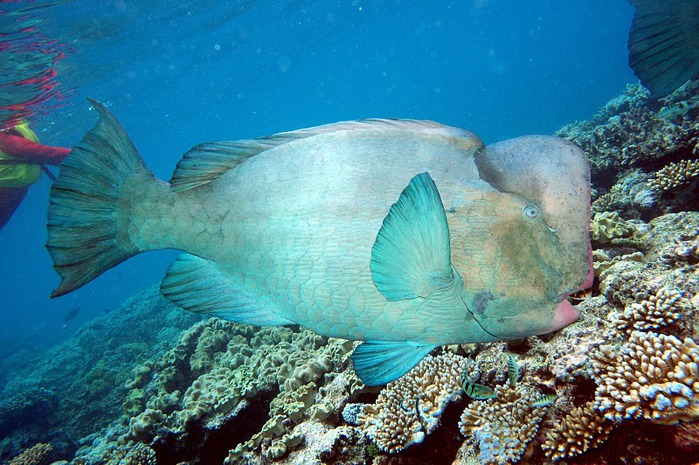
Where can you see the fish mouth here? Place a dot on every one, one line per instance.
(564, 315)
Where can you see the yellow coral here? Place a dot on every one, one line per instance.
(410, 407)
(675, 174)
(584, 428)
(652, 376)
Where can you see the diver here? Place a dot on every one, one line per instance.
(22, 158)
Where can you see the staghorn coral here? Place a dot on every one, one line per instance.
(652, 376)
(651, 311)
(410, 407)
(503, 426)
(582, 429)
(674, 175)
(36, 455)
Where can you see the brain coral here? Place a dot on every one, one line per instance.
(652, 376)
(410, 407)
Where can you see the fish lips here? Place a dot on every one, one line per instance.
(564, 315)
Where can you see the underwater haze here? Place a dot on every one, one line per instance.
(180, 73)
(508, 299)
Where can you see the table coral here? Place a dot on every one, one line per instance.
(582, 429)
(651, 311)
(652, 376)
(410, 407)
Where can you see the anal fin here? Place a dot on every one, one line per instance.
(379, 362)
(201, 286)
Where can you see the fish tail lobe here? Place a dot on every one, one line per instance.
(88, 224)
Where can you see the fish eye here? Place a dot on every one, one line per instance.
(531, 212)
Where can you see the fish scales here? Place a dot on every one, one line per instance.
(401, 233)
(318, 226)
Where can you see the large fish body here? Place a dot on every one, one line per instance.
(405, 234)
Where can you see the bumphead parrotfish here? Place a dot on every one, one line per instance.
(404, 234)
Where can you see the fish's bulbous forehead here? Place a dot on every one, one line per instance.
(555, 174)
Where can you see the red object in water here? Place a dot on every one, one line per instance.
(23, 149)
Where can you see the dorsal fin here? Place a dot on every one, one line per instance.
(206, 162)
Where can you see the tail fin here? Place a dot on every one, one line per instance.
(664, 44)
(84, 237)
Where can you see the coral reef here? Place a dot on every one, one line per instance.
(633, 135)
(409, 408)
(164, 386)
(502, 427)
(42, 404)
(652, 376)
(38, 454)
(582, 429)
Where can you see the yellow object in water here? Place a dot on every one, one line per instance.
(405, 234)
(13, 173)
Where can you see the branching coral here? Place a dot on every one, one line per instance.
(674, 175)
(652, 376)
(35, 455)
(132, 454)
(503, 426)
(650, 312)
(584, 428)
(410, 407)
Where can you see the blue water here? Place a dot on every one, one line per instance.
(181, 73)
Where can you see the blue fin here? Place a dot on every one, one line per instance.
(378, 362)
(411, 254)
(201, 286)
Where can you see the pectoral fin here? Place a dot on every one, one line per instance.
(378, 363)
(411, 254)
